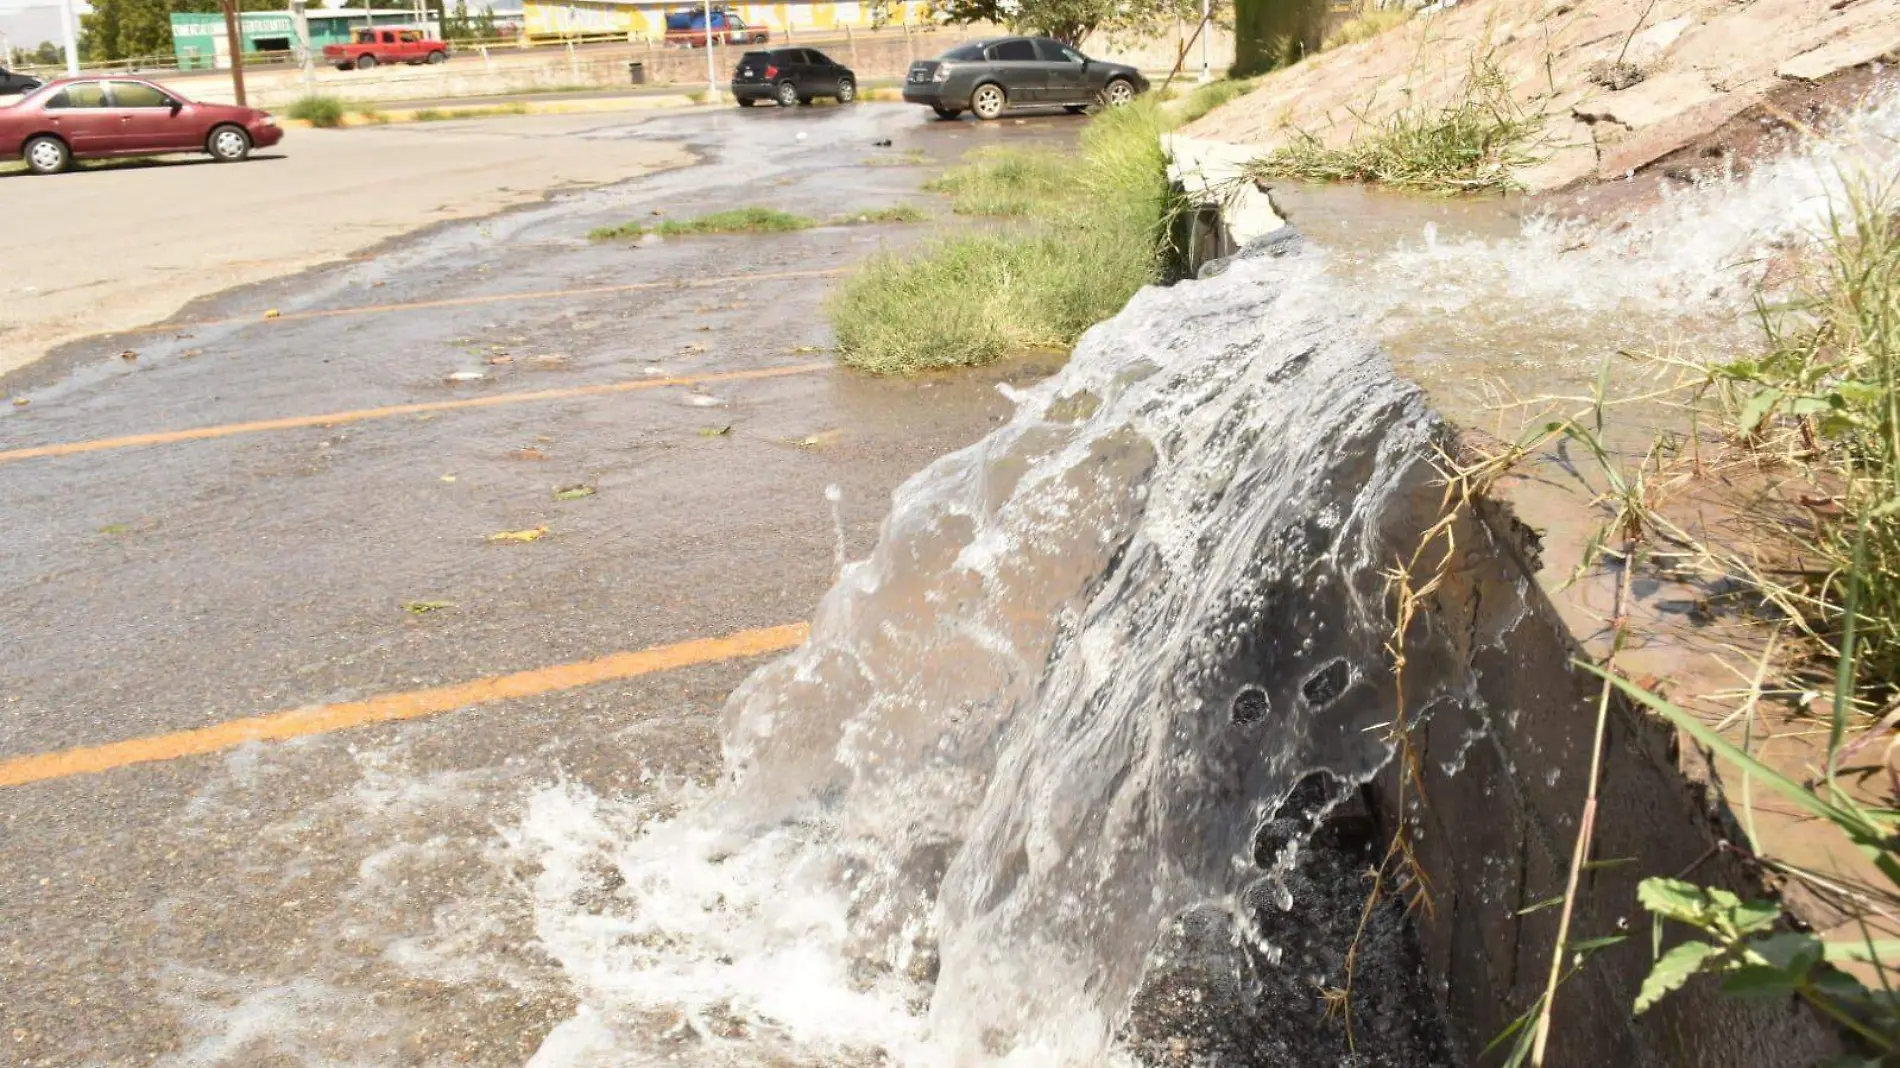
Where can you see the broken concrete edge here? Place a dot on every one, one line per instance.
(1230, 210)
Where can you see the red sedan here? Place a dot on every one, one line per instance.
(93, 118)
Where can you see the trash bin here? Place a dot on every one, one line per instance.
(637, 71)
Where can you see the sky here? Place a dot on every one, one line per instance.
(28, 22)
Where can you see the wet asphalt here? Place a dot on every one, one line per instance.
(335, 898)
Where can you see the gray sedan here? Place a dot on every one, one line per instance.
(991, 76)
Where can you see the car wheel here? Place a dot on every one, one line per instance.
(438, 57)
(47, 155)
(229, 144)
(988, 101)
(1118, 93)
(365, 62)
(786, 94)
(746, 101)
(847, 90)
(946, 113)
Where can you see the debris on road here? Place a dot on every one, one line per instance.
(448, 478)
(716, 431)
(423, 608)
(529, 452)
(704, 400)
(574, 492)
(519, 536)
(548, 360)
(112, 529)
(272, 313)
(21, 402)
(466, 376)
(501, 358)
(129, 354)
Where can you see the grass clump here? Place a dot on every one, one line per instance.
(317, 110)
(747, 220)
(1004, 182)
(1097, 230)
(1472, 145)
(1210, 96)
(1366, 26)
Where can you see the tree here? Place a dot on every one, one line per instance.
(127, 29)
(1070, 21)
(49, 54)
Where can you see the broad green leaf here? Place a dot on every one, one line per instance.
(1755, 916)
(1880, 950)
(1804, 406)
(1757, 409)
(1588, 946)
(1793, 952)
(1672, 970)
(1757, 981)
(1675, 899)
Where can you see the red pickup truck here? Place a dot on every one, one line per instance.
(369, 47)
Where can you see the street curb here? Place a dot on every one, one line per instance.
(389, 116)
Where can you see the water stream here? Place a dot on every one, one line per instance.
(1039, 791)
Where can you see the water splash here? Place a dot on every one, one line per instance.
(1087, 658)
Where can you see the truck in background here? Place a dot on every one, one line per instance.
(687, 27)
(369, 47)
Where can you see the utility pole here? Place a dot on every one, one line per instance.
(69, 32)
(235, 41)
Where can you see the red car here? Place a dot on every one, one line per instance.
(93, 118)
(369, 47)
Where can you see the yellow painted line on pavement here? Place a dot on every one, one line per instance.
(384, 708)
(225, 430)
(494, 298)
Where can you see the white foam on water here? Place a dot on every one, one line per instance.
(954, 823)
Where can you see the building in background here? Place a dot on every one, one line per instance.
(200, 43)
(637, 19)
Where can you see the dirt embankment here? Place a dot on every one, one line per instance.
(1620, 84)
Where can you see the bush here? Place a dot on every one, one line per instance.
(1099, 231)
(1006, 181)
(318, 111)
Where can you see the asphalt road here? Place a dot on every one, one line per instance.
(252, 518)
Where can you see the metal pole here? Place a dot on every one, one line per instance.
(1207, 15)
(300, 19)
(236, 43)
(70, 34)
(712, 72)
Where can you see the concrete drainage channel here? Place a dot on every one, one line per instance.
(1502, 767)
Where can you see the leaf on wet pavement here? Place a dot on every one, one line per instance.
(129, 354)
(272, 313)
(115, 528)
(21, 402)
(574, 492)
(518, 536)
(423, 608)
(715, 431)
(530, 453)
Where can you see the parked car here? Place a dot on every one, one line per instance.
(92, 118)
(369, 47)
(991, 76)
(12, 83)
(688, 28)
(791, 76)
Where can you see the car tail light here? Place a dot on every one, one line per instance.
(770, 73)
(943, 73)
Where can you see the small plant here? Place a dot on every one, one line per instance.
(429, 115)
(324, 111)
(896, 213)
(1471, 145)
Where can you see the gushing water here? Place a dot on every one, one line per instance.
(1033, 759)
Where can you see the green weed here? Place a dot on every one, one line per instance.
(1099, 231)
(1210, 96)
(1367, 26)
(325, 111)
(747, 220)
(1472, 145)
(1007, 182)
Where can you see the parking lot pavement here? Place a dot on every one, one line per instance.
(302, 605)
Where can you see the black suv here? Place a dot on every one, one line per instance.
(991, 76)
(791, 76)
(11, 83)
